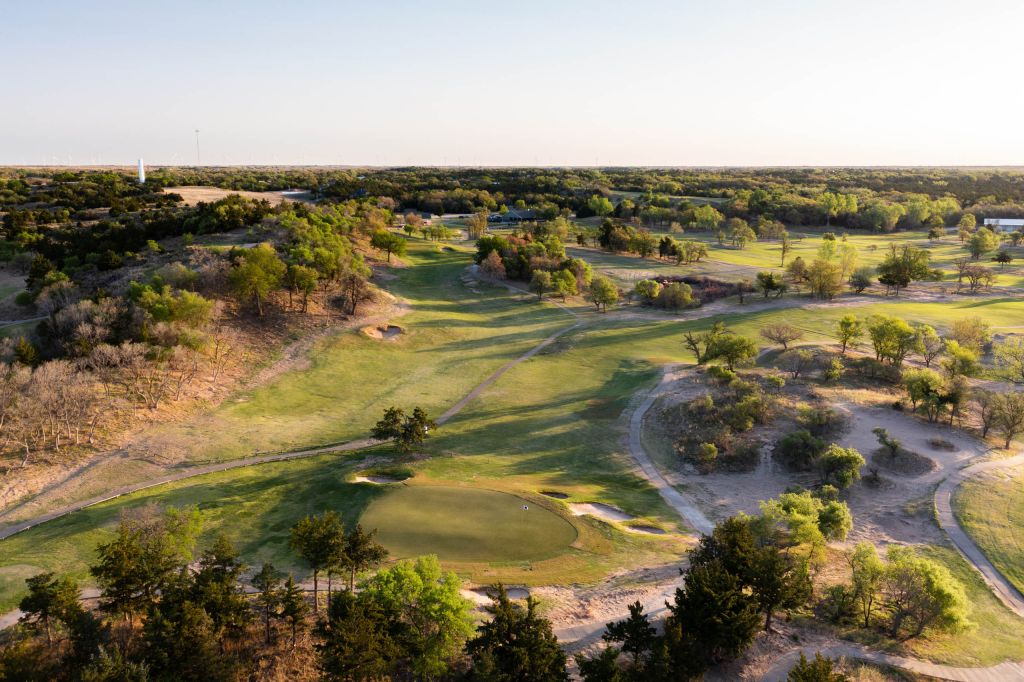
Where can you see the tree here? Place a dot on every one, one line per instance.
(603, 292)
(920, 593)
(647, 289)
(49, 599)
(798, 450)
(769, 282)
(319, 541)
(1008, 418)
(849, 331)
(436, 618)
(564, 283)
(258, 272)
(924, 386)
(733, 350)
(821, 669)
(599, 205)
(477, 224)
(981, 242)
(892, 445)
(303, 279)
(714, 613)
(929, 345)
(149, 548)
(180, 640)
(635, 633)
(840, 466)
(361, 553)
(1009, 357)
(293, 606)
(797, 361)
(781, 333)
(358, 640)
(867, 571)
(860, 279)
(268, 595)
(1003, 257)
(968, 221)
(407, 431)
(891, 337)
(706, 217)
(540, 282)
(740, 232)
(797, 271)
(215, 588)
(784, 248)
(986, 401)
(960, 361)
(701, 344)
(385, 240)
(972, 333)
(515, 645)
(903, 266)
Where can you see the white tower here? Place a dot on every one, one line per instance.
(142, 173)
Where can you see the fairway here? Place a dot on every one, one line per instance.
(991, 510)
(466, 525)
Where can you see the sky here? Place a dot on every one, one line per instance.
(555, 82)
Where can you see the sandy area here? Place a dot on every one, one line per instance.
(193, 195)
(605, 512)
(384, 332)
(377, 480)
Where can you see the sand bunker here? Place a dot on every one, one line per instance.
(377, 480)
(601, 511)
(383, 332)
(652, 530)
(554, 494)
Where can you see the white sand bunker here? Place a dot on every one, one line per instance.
(480, 595)
(383, 332)
(601, 511)
(377, 480)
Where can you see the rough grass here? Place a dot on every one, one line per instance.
(462, 524)
(991, 510)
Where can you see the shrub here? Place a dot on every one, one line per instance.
(24, 298)
(834, 370)
(820, 421)
(798, 450)
(721, 374)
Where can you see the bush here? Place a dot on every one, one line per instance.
(820, 421)
(798, 450)
(24, 298)
(834, 370)
(721, 374)
(838, 605)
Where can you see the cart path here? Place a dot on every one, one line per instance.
(683, 504)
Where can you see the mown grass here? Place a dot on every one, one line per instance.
(991, 510)
(452, 338)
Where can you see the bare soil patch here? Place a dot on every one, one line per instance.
(906, 462)
(192, 195)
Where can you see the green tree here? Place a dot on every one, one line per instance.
(362, 552)
(293, 606)
(515, 645)
(407, 431)
(867, 571)
(540, 283)
(391, 243)
(840, 466)
(647, 289)
(319, 541)
(50, 599)
(981, 242)
(603, 292)
(215, 588)
(564, 283)
(635, 634)
(268, 595)
(825, 279)
(919, 593)
(733, 350)
(1008, 416)
(769, 282)
(358, 641)
(436, 618)
(256, 274)
(302, 279)
(902, 266)
(599, 205)
(706, 217)
(891, 337)
(740, 232)
(849, 330)
(821, 669)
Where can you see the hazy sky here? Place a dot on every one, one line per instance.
(556, 82)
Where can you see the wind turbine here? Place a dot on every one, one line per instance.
(198, 162)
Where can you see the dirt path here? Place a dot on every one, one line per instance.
(997, 582)
(683, 504)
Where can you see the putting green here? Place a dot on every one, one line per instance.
(466, 525)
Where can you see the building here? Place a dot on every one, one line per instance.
(1005, 224)
(514, 215)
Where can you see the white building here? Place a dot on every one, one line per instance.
(1005, 224)
(142, 173)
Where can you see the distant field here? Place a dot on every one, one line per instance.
(194, 195)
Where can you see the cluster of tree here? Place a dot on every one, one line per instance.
(802, 450)
(739, 577)
(721, 344)
(904, 595)
(671, 296)
(406, 431)
(713, 431)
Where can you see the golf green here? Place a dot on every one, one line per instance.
(466, 525)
